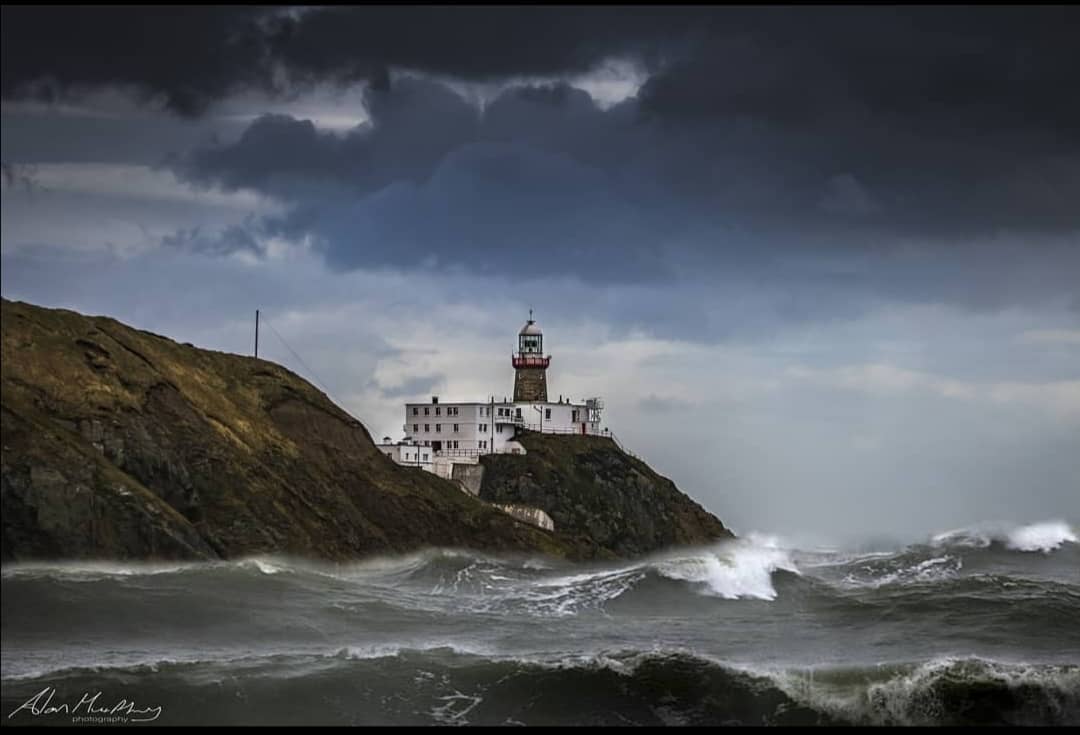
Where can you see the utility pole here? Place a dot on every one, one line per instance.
(256, 333)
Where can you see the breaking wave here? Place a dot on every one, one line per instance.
(448, 686)
(1046, 536)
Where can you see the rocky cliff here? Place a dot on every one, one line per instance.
(122, 444)
(600, 498)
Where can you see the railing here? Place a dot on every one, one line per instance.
(475, 452)
(549, 429)
(462, 452)
(611, 435)
(520, 361)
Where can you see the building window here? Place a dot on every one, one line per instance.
(415, 411)
(416, 428)
(427, 410)
(427, 427)
(425, 456)
(456, 429)
(547, 413)
(438, 428)
(437, 409)
(498, 428)
(455, 444)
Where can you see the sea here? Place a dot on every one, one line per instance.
(971, 626)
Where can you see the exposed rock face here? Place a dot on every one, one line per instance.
(597, 495)
(119, 443)
(122, 444)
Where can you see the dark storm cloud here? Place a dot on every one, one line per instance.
(189, 56)
(961, 117)
(478, 43)
(881, 151)
(194, 56)
(419, 123)
(545, 182)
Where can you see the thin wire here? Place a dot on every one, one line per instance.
(301, 361)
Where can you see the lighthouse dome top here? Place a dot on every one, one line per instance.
(531, 327)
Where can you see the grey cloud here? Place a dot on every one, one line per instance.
(231, 239)
(19, 176)
(653, 404)
(845, 195)
(413, 388)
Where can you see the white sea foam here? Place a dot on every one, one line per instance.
(93, 571)
(935, 569)
(907, 695)
(1044, 537)
(738, 569)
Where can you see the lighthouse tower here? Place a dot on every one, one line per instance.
(530, 364)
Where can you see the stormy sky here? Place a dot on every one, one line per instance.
(823, 264)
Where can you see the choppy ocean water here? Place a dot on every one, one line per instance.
(971, 626)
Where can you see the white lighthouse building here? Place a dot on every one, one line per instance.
(439, 434)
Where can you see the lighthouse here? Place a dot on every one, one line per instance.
(530, 364)
(440, 435)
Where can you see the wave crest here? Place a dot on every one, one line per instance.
(736, 570)
(445, 685)
(1045, 536)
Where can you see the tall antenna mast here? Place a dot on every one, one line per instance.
(256, 333)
